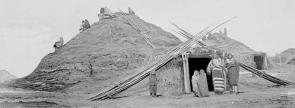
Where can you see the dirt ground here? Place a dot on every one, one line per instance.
(255, 92)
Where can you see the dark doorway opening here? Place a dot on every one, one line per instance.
(199, 63)
(259, 62)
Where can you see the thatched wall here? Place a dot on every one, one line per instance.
(170, 78)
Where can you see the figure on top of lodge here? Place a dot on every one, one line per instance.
(105, 13)
(85, 25)
(59, 43)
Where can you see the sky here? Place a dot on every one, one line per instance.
(29, 28)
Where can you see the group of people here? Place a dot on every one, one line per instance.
(224, 70)
(104, 13)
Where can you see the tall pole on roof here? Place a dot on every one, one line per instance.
(222, 23)
(187, 35)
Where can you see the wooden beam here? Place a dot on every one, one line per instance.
(265, 62)
(187, 84)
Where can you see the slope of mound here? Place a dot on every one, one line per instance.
(107, 52)
(228, 44)
(223, 42)
(285, 57)
(290, 51)
(241, 52)
(5, 76)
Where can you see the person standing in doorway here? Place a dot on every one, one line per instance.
(194, 81)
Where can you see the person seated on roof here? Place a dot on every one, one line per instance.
(59, 43)
(130, 11)
(85, 25)
(233, 73)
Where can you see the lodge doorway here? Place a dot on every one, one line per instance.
(259, 62)
(198, 63)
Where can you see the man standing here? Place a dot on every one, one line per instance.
(153, 84)
(233, 73)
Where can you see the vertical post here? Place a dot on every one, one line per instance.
(254, 65)
(153, 84)
(265, 62)
(187, 87)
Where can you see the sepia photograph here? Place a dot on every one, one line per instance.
(147, 54)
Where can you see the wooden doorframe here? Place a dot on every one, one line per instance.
(187, 82)
(265, 62)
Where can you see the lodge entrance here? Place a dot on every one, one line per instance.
(259, 62)
(199, 63)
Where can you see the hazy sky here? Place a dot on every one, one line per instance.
(30, 27)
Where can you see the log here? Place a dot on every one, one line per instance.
(265, 76)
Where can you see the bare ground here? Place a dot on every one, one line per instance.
(255, 93)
